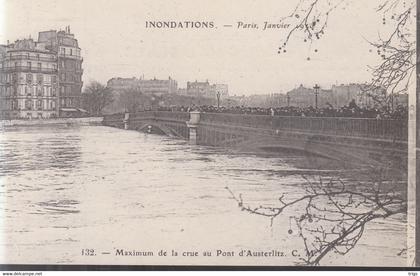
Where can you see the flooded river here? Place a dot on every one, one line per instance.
(85, 194)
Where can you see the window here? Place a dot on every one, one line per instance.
(39, 65)
(28, 104)
(28, 78)
(71, 52)
(54, 79)
(37, 56)
(39, 78)
(29, 64)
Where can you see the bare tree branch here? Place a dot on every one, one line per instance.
(397, 47)
(334, 214)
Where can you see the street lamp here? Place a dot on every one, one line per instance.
(288, 99)
(392, 102)
(316, 87)
(218, 99)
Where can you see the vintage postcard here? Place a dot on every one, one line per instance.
(208, 132)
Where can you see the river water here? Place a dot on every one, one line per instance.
(71, 192)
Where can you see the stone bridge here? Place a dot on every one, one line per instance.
(345, 139)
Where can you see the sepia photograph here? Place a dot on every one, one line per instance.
(208, 133)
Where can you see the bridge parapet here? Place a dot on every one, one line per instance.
(161, 115)
(389, 129)
(114, 117)
(115, 120)
(355, 138)
(338, 126)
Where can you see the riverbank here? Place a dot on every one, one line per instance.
(56, 121)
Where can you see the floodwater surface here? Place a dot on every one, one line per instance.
(86, 194)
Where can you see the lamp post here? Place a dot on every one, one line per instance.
(288, 99)
(218, 99)
(316, 87)
(392, 102)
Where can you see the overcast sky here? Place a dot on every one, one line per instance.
(115, 42)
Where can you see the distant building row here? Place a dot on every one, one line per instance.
(153, 86)
(337, 96)
(160, 87)
(41, 79)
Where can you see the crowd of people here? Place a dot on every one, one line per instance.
(350, 110)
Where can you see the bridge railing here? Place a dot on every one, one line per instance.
(353, 127)
(349, 127)
(162, 115)
(117, 117)
(142, 115)
(173, 116)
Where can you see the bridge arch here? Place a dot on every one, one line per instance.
(156, 127)
(312, 148)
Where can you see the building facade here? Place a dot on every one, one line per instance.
(41, 79)
(305, 97)
(207, 90)
(153, 86)
(265, 100)
(344, 93)
(221, 89)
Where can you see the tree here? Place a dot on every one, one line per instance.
(96, 97)
(133, 100)
(333, 213)
(392, 75)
